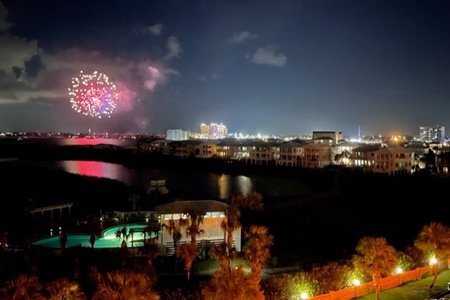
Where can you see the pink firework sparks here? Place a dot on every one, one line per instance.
(93, 95)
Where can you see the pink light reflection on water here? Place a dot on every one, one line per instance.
(94, 141)
(96, 169)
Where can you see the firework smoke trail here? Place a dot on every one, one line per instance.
(144, 78)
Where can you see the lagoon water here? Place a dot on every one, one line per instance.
(184, 183)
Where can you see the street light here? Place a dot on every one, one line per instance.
(356, 283)
(433, 261)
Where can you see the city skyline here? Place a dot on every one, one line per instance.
(271, 67)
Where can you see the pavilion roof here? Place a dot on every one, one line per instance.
(184, 206)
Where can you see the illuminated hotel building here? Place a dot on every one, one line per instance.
(213, 131)
(432, 134)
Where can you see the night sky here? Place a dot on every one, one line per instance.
(284, 67)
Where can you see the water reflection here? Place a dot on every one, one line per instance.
(183, 184)
(203, 185)
(241, 184)
(223, 182)
(96, 169)
(96, 141)
(218, 186)
(244, 184)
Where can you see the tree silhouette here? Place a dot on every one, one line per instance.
(134, 200)
(124, 285)
(92, 240)
(174, 230)
(375, 257)
(22, 287)
(434, 238)
(236, 203)
(63, 240)
(63, 288)
(188, 252)
(257, 249)
(231, 284)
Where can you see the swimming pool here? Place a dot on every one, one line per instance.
(109, 238)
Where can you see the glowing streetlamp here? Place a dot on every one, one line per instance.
(398, 271)
(433, 261)
(304, 295)
(356, 283)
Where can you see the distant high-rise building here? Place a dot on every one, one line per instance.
(430, 134)
(204, 130)
(177, 135)
(213, 130)
(335, 136)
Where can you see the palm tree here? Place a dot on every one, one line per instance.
(174, 229)
(375, 257)
(63, 288)
(257, 249)
(219, 252)
(22, 287)
(124, 285)
(233, 284)
(134, 199)
(92, 240)
(188, 252)
(236, 203)
(192, 224)
(63, 240)
(434, 238)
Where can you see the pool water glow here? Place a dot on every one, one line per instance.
(108, 239)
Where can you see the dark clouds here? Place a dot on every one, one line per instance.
(33, 78)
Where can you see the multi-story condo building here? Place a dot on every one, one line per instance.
(177, 135)
(443, 163)
(316, 155)
(185, 149)
(262, 153)
(432, 134)
(206, 149)
(362, 156)
(233, 149)
(290, 154)
(392, 160)
(155, 146)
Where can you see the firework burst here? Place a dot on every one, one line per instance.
(93, 95)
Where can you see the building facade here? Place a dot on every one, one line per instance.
(177, 135)
(213, 131)
(430, 134)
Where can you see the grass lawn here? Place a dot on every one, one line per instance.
(415, 290)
